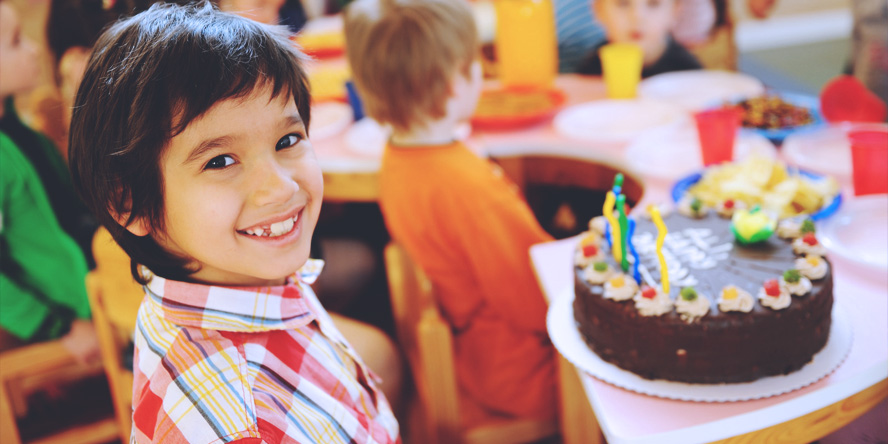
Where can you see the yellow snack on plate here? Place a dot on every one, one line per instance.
(765, 182)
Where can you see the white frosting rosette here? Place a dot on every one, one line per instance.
(811, 266)
(596, 277)
(620, 287)
(584, 261)
(800, 288)
(598, 225)
(685, 207)
(690, 310)
(789, 228)
(777, 303)
(799, 246)
(724, 210)
(656, 306)
(742, 301)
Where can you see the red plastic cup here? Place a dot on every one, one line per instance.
(717, 129)
(869, 158)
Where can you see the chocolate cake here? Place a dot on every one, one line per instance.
(718, 346)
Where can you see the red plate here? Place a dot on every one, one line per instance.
(510, 108)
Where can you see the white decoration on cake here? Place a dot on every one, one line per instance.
(598, 225)
(584, 261)
(789, 228)
(799, 246)
(724, 211)
(800, 288)
(741, 302)
(656, 306)
(690, 310)
(597, 277)
(777, 303)
(625, 291)
(811, 266)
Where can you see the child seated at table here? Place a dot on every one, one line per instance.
(647, 23)
(416, 66)
(189, 141)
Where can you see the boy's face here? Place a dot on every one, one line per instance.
(646, 23)
(242, 191)
(18, 55)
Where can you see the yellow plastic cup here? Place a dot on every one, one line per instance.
(621, 63)
(526, 47)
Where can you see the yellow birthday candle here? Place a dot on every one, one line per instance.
(661, 236)
(608, 211)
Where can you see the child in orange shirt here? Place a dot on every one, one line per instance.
(415, 63)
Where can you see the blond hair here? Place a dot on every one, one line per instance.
(404, 54)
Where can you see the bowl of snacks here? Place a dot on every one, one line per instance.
(776, 116)
(763, 182)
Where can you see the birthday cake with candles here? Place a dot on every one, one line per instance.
(702, 295)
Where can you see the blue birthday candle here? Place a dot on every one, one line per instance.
(635, 273)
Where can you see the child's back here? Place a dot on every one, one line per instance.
(460, 220)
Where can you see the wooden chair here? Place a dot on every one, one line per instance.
(114, 298)
(427, 342)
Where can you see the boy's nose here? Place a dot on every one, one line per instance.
(273, 184)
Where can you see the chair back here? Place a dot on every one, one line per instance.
(114, 298)
(427, 342)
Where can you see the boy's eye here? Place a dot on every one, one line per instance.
(219, 162)
(288, 141)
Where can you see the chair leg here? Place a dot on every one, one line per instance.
(8, 428)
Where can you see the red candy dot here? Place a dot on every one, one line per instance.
(590, 250)
(648, 293)
(772, 288)
(809, 239)
(729, 204)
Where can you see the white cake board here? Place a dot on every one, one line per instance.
(567, 339)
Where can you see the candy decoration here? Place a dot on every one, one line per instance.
(792, 276)
(617, 281)
(624, 228)
(600, 266)
(589, 250)
(809, 239)
(635, 273)
(812, 260)
(688, 294)
(752, 226)
(648, 292)
(772, 288)
(661, 237)
(729, 293)
(696, 205)
(729, 204)
(614, 226)
(807, 226)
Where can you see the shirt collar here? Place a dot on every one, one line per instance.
(241, 309)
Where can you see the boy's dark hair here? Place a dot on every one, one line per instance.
(148, 78)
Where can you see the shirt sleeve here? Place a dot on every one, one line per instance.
(495, 236)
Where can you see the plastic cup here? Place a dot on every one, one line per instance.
(621, 63)
(717, 129)
(869, 160)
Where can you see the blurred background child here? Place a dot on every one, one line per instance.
(42, 268)
(415, 63)
(647, 23)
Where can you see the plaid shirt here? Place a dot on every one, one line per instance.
(251, 365)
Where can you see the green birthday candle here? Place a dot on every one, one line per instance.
(624, 228)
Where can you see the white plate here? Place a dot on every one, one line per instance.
(329, 119)
(825, 151)
(617, 120)
(368, 137)
(858, 231)
(697, 90)
(567, 339)
(670, 155)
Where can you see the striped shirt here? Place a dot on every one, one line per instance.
(250, 365)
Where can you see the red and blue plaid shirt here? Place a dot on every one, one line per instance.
(250, 365)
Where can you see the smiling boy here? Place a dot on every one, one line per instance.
(190, 143)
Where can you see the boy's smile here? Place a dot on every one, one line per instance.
(242, 191)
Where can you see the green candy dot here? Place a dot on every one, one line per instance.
(807, 226)
(600, 266)
(688, 294)
(792, 275)
(696, 205)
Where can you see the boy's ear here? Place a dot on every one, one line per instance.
(138, 226)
